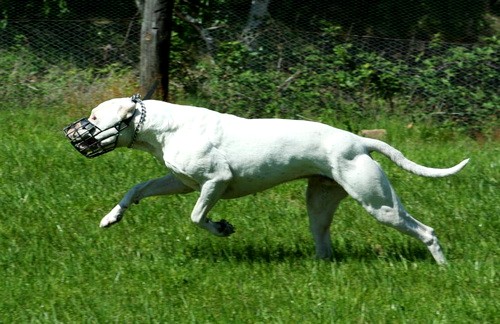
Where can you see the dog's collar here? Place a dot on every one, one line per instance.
(137, 99)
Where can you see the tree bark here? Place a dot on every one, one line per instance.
(258, 15)
(155, 45)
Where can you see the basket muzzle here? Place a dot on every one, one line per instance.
(90, 140)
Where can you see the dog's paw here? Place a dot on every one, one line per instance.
(224, 227)
(114, 216)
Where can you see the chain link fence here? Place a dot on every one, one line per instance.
(75, 35)
(265, 52)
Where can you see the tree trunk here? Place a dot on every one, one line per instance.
(258, 15)
(155, 44)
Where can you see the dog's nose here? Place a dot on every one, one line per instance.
(80, 130)
(90, 140)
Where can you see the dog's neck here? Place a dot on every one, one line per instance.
(147, 134)
(139, 123)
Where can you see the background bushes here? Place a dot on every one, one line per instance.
(459, 87)
(422, 61)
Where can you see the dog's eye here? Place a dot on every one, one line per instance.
(93, 117)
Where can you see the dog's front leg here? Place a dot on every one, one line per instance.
(167, 185)
(211, 191)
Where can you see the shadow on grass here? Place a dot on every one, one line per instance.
(257, 253)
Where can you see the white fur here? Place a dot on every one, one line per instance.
(223, 156)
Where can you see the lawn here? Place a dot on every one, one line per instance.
(57, 265)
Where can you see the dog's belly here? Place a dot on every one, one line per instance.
(244, 187)
(265, 177)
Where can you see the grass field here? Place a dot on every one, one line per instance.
(57, 265)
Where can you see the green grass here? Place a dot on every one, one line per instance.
(56, 265)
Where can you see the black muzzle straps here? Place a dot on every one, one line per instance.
(90, 140)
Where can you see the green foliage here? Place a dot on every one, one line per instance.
(460, 86)
(456, 88)
(18, 68)
(56, 265)
(65, 9)
(31, 81)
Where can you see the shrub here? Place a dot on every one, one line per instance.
(457, 87)
(32, 81)
(19, 69)
(460, 86)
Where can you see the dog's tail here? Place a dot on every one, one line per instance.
(399, 159)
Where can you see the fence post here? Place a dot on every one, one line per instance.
(155, 45)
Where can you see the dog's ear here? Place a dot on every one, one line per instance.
(127, 109)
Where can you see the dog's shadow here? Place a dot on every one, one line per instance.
(281, 253)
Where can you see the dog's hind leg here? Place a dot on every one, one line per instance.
(323, 197)
(365, 181)
(167, 185)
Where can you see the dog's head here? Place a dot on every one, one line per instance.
(105, 129)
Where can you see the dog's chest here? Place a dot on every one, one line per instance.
(185, 179)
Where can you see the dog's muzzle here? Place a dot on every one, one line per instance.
(90, 140)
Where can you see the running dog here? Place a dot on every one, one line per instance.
(224, 156)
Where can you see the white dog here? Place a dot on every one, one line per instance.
(223, 156)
